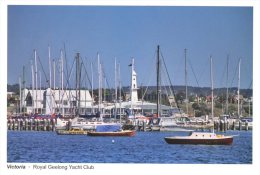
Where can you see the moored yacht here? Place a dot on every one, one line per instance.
(204, 138)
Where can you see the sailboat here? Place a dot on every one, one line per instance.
(165, 123)
(92, 124)
(205, 138)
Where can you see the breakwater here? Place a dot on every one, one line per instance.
(31, 124)
(49, 125)
(221, 125)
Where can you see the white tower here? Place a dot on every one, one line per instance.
(134, 96)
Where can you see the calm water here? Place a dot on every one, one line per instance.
(145, 147)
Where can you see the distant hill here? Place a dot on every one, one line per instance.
(13, 88)
(177, 89)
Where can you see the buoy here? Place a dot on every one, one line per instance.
(113, 141)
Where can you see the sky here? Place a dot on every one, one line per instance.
(127, 32)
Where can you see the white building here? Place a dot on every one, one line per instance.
(51, 101)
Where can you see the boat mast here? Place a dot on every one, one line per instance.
(78, 69)
(23, 95)
(41, 107)
(186, 88)
(238, 89)
(54, 70)
(115, 87)
(92, 94)
(212, 95)
(32, 69)
(158, 83)
(62, 79)
(50, 80)
(99, 85)
(20, 95)
(36, 80)
(119, 92)
(227, 87)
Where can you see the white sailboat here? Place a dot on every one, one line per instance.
(207, 138)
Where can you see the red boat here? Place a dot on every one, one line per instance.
(128, 133)
(204, 138)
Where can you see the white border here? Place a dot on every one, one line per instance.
(134, 168)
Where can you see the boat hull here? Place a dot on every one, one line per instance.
(119, 133)
(65, 132)
(217, 141)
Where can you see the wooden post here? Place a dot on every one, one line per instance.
(69, 124)
(225, 126)
(246, 125)
(36, 124)
(10, 124)
(26, 125)
(14, 124)
(44, 124)
(18, 125)
(31, 125)
(48, 124)
(221, 125)
(240, 125)
(53, 124)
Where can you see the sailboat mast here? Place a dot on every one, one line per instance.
(158, 83)
(50, 80)
(41, 107)
(238, 90)
(92, 94)
(212, 89)
(23, 95)
(36, 81)
(20, 95)
(99, 84)
(49, 50)
(115, 87)
(227, 87)
(32, 69)
(186, 88)
(119, 92)
(62, 82)
(78, 84)
(54, 76)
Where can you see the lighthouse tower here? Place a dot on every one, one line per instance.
(134, 96)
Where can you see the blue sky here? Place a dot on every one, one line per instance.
(126, 32)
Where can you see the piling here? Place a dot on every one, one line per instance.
(228, 125)
(10, 124)
(53, 124)
(240, 125)
(216, 125)
(246, 125)
(18, 125)
(221, 125)
(31, 127)
(144, 126)
(225, 126)
(26, 125)
(36, 125)
(44, 124)
(48, 124)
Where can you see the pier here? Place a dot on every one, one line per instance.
(49, 125)
(222, 126)
(31, 124)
